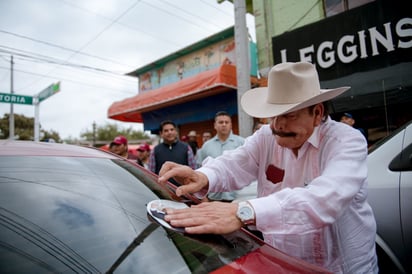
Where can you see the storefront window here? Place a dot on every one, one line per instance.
(333, 7)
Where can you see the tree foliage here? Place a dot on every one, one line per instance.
(23, 128)
(109, 131)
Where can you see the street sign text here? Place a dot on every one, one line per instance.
(16, 99)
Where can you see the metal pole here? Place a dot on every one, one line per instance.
(94, 133)
(242, 65)
(36, 119)
(11, 116)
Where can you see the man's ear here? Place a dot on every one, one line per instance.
(318, 114)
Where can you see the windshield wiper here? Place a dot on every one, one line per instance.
(136, 242)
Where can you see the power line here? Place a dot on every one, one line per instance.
(105, 28)
(215, 7)
(191, 14)
(97, 35)
(61, 47)
(33, 57)
(124, 25)
(45, 59)
(202, 27)
(39, 57)
(66, 79)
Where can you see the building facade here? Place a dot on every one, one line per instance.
(363, 44)
(188, 87)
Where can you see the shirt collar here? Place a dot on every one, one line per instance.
(230, 138)
(314, 139)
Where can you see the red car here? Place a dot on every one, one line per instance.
(73, 209)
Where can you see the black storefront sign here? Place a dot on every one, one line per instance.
(368, 48)
(367, 38)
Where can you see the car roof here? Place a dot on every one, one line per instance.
(28, 148)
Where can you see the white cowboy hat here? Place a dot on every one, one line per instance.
(291, 86)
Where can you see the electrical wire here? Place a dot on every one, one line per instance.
(157, 37)
(60, 47)
(34, 57)
(69, 80)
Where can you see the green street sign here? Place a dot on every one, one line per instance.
(49, 91)
(12, 98)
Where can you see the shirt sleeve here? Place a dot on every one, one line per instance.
(191, 158)
(152, 162)
(341, 159)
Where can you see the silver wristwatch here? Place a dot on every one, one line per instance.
(245, 213)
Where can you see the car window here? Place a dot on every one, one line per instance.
(70, 214)
(384, 140)
(402, 161)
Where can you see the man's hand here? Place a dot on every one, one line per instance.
(191, 181)
(213, 217)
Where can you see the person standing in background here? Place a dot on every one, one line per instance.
(119, 146)
(170, 149)
(206, 136)
(348, 119)
(224, 140)
(192, 141)
(143, 153)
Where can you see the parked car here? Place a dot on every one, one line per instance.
(390, 195)
(67, 208)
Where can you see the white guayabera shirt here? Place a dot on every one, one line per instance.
(312, 206)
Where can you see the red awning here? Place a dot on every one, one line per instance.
(201, 85)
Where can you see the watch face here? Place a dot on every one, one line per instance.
(245, 213)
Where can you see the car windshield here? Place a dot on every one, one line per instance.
(73, 214)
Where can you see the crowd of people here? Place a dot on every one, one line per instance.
(310, 172)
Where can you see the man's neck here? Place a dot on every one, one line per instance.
(169, 142)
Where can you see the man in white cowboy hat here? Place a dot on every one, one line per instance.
(311, 174)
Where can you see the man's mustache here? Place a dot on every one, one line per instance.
(283, 134)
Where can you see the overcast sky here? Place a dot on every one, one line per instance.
(88, 45)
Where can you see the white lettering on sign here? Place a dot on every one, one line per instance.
(12, 99)
(347, 51)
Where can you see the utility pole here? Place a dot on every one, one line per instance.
(242, 65)
(11, 116)
(94, 133)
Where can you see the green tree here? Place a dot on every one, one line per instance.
(109, 131)
(50, 135)
(23, 128)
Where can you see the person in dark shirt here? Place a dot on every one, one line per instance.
(171, 149)
(348, 119)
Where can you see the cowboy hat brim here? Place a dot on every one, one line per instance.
(254, 102)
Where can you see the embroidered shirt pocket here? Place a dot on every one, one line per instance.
(275, 174)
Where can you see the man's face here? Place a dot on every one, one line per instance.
(347, 120)
(119, 149)
(223, 124)
(293, 129)
(142, 154)
(206, 136)
(169, 133)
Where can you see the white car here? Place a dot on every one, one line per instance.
(390, 195)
